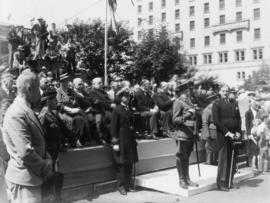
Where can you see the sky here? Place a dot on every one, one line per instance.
(19, 12)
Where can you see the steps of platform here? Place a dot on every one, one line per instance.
(167, 180)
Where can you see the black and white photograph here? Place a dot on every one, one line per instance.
(134, 101)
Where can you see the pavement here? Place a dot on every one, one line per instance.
(254, 190)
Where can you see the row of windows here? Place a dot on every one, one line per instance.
(256, 11)
(222, 38)
(222, 20)
(223, 57)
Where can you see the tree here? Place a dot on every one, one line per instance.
(258, 78)
(90, 41)
(157, 56)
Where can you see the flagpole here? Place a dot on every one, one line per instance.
(106, 46)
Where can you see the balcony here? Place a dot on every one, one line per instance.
(230, 27)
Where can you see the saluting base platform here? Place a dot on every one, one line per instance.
(167, 181)
(91, 170)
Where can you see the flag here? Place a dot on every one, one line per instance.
(9, 17)
(113, 6)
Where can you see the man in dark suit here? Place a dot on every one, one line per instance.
(226, 117)
(29, 165)
(149, 112)
(252, 149)
(164, 103)
(124, 143)
(101, 108)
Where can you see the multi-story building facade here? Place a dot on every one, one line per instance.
(225, 38)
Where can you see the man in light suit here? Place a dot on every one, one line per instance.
(29, 165)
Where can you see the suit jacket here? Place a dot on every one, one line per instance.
(24, 138)
(100, 100)
(163, 101)
(249, 117)
(122, 134)
(143, 101)
(226, 116)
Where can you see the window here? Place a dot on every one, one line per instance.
(206, 22)
(163, 3)
(257, 33)
(163, 17)
(139, 21)
(191, 11)
(240, 55)
(151, 31)
(193, 60)
(238, 16)
(139, 34)
(150, 21)
(150, 6)
(192, 25)
(222, 19)
(238, 3)
(222, 38)
(239, 36)
(139, 9)
(207, 58)
(192, 43)
(177, 2)
(256, 13)
(207, 41)
(163, 29)
(177, 27)
(223, 57)
(206, 8)
(241, 75)
(221, 4)
(177, 14)
(257, 53)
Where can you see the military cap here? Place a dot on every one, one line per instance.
(50, 93)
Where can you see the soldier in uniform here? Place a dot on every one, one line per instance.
(124, 143)
(183, 112)
(226, 117)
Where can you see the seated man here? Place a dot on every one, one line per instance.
(165, 103)
(101, 108)
(149, 112)
(72, 116)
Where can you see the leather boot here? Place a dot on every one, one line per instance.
(209, 158)
(180, 169)
(186, 172)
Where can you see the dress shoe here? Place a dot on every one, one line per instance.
(183, 184)
(192, 184)
(122, 191)
(223, 188)
(232, 186)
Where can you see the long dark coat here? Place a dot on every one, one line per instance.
(121, 132)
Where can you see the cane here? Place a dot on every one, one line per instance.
(231, 167)
(134, 174)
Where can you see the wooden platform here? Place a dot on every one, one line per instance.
(86, 168)
(167, 180)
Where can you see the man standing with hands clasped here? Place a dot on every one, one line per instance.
(29, 165)
(227, 119)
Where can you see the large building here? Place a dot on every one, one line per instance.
(224, 38)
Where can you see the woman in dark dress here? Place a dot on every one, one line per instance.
(124, 143)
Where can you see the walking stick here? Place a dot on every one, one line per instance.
(134, 174)
(231, 167)
(196, 146)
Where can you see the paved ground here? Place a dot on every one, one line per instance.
(255, 190)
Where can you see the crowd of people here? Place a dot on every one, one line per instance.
(43, 113)
(54, 50)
